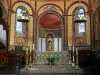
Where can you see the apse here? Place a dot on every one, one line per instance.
(50, 20)
(50, 24)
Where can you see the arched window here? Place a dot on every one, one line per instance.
(21, 27)
(79, 26)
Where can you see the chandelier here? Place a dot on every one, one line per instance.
(24, 17)
(79, 16)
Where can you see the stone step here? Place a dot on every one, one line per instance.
(52, 69)
(53, 66)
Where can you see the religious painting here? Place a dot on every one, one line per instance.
(79, 41)
(20, 41)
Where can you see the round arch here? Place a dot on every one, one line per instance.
(13, 20)
(70, 23)
(15, 6)
(50, 12)
(56, 6)
(49, 31)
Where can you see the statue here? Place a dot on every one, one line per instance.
(50, 45)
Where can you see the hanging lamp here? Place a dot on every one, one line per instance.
(78, 17)
(24, 17)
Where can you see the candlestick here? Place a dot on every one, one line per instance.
(26, 68)
(76, 51)
(73, 63)
(70, 57)
(30, 59)
(73, 48)
(69, 47)
(77, 66)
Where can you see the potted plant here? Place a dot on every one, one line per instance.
(51, 59)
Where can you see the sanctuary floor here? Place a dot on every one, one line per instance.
(10, 70)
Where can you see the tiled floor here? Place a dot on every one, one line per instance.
(7, 70)
(12, 71)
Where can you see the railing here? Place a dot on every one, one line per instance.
(60, 57)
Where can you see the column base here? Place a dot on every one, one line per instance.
(30, 65)
(70, 61)
(26, 67)
(77, 67)
(73, 64)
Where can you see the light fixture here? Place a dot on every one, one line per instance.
(24, 17)
(79, 16)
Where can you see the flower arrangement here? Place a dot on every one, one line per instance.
(51, 59)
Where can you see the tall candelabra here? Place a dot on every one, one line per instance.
(18, 50)
(73, 60)
(70, 55)
(27, 67)
(77, 66)
(30, 60)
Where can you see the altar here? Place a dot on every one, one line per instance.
(60, 57)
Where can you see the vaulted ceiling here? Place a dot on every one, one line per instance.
(50, 20)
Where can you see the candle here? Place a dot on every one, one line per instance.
(77, 51)
(73, 48)
(69, 47)
(27, 51)
(33, 46)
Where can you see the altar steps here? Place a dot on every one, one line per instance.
(52, 69)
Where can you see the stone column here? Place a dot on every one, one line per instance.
(35, 34)
(8, 29)
(65, 32)
(70, 31)
(92, 29)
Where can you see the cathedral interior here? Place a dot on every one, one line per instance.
(49, 36)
